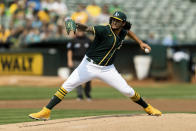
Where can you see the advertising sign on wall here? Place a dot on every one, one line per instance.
(21, 63)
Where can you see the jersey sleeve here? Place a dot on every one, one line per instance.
(98, 30)
(124, 33)
(70, 45)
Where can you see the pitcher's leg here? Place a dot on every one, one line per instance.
(113, 78)
(77, 77)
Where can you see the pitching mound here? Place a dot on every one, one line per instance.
(167, 122)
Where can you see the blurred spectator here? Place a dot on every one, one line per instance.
(44, 16)
(104, 16)
(2, 7)
(30, 11)
(45, 35)
(80, 15)
(168, 40)
(36, 36)
(33, 36)
(152, 39)
(59, 34)
(52, 28)
(4, 18)
(55, 6)
(36, 4)
(59, 7)
(45, 4)
(13, 37)
(114, 7)
(46, 32)
(36, 23)
(13, 7)
(32, 20)
(60, 21)
(22, 37)
(29, 36)
(93, 11)
(28, 23)
(18, 17)
(4, 34)
(53, 17)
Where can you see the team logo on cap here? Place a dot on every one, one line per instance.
(116, 14)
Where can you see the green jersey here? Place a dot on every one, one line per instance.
(103, 49)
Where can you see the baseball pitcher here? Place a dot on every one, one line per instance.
(98, 63)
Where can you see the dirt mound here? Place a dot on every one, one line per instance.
(167, 122)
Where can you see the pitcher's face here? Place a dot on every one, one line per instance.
(117, 24)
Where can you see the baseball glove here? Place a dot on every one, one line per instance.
(70, 25)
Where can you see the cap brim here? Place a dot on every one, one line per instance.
(116, 18)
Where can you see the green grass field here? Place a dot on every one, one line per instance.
(174, 91)
(21, 115)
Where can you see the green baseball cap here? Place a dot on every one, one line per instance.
(119, 16)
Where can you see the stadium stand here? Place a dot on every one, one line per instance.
(160, 17)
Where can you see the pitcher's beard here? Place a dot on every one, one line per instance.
(114, 29)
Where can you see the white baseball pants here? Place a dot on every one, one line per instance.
(87, 71)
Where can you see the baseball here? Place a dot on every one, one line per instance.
(147, 50)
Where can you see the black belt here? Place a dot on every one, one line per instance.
(90, 60)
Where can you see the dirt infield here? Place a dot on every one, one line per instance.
(57, 81)
(166, 122)
(31, 80)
